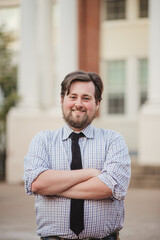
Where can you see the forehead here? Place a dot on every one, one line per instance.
(82, 88)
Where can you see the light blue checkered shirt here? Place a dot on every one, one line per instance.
(101, 149)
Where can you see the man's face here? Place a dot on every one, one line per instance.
(79, 106)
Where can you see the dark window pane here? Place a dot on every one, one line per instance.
(143, 8)
(143, 80)
(115, 9)
(116, 104)
(116, 87)
(143, 98)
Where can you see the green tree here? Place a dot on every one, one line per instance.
(8, 89)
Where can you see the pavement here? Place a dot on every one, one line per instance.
(17, 215)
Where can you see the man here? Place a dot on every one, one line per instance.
(75, 203)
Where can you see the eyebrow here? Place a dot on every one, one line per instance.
(86, 95)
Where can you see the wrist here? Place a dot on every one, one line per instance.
(92, 172)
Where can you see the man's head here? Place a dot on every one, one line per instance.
(83, 77)
(80, 97)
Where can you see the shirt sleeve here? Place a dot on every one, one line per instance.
(117, 167)
(36, 161)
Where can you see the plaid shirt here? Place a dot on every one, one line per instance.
(101, 149)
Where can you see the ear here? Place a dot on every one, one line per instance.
(62, 99)
(97, 105)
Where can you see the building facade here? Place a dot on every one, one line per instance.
(117, 39)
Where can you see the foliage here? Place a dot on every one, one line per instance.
(8, 82)
(8, 74)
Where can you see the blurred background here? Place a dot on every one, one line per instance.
(43, 40)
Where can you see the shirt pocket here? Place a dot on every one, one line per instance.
(94, 158)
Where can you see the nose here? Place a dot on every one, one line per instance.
(78, 102)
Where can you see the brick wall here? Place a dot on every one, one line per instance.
(89, 25)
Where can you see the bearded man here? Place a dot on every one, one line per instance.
(79, 174)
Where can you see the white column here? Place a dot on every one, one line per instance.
(149, 125)
(44, 52)
(68, 47)
(35, 86)
(132, 9)
(154, 51)
(28, 81)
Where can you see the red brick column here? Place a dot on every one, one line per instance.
(89, 21)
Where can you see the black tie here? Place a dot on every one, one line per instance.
(77, 205)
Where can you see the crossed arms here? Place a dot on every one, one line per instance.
(113, 179)
(78, 184)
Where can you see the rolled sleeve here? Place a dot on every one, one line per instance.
(35, 162)
(29, 178)
(117, 167)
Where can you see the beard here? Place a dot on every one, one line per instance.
(79, 122)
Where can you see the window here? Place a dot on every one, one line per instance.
(143, 80)
(143, 8)
(115, 9)
(116, 87)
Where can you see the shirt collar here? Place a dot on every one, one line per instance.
(88, 131)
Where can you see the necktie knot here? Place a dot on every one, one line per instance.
(75, 136)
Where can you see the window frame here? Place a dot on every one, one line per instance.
(113, 15)
(143, 8)
(115, 90)
(143, 89)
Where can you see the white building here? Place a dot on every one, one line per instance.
(52, 44)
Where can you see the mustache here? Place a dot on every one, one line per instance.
(81, 109)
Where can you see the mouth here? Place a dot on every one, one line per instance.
(78, 111)
(78, 114)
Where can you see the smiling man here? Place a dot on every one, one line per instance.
(79, 106)
(79, 174)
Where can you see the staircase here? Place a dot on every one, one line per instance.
(145, 176)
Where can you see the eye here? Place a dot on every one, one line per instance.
(72, 97)
(86, 99)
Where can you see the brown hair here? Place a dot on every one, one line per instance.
(83, 76)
